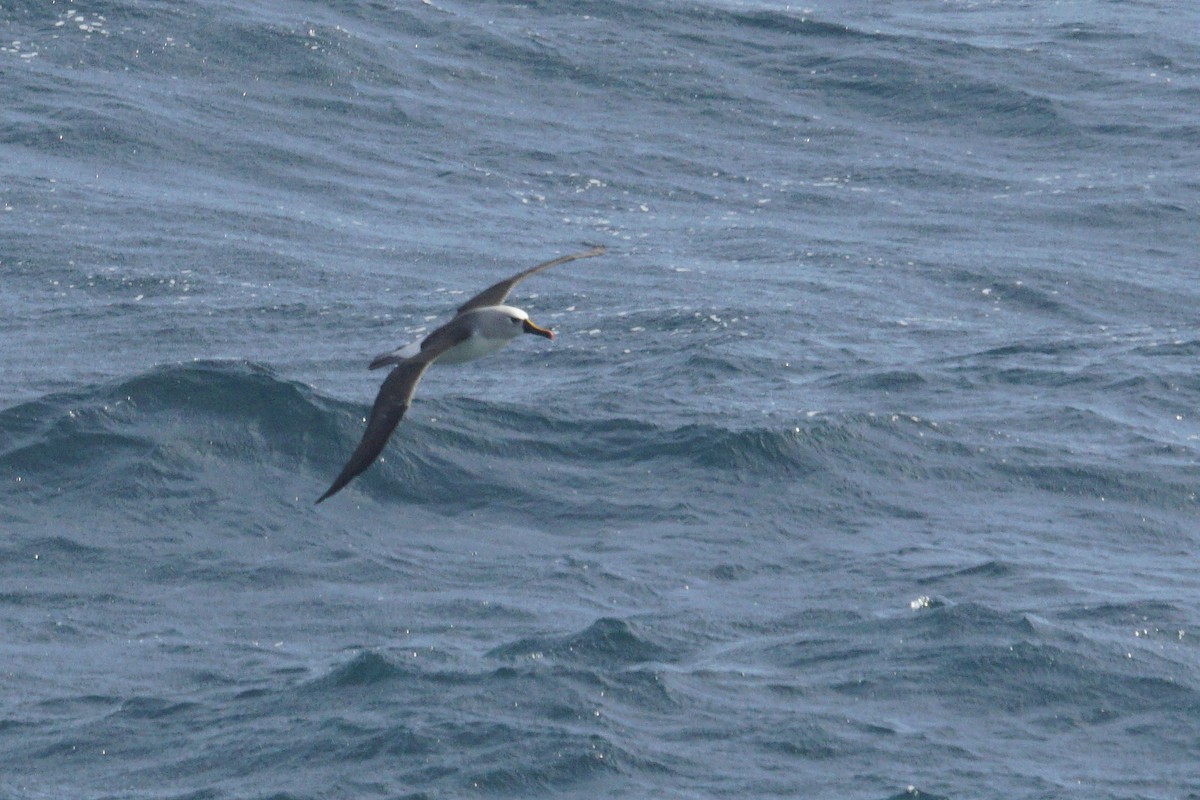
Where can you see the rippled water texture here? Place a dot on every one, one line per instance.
(863, 465)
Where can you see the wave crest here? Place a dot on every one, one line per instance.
(162, 431)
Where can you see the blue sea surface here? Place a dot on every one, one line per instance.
(863, 465)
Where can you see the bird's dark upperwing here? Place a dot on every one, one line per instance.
(495, 295)
(390, 404)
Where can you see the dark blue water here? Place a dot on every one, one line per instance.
(863, 465)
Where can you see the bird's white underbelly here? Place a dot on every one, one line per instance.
(474, 346)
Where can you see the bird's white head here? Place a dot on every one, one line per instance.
(508, 322)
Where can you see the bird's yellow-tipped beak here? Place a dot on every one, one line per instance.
(531, 328)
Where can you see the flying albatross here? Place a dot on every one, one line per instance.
(482, 325)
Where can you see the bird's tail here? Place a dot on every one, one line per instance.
(384, 360)
(397, 356)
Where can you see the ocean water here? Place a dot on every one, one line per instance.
(864, 464)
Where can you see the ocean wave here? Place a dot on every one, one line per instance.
(478, 709)
(201, 440)
(364, 669)
(606, 642)
(181, 440)
(153, 433)
(161, 432)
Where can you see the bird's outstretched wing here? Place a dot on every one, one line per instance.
(495, 295)
(390, 404)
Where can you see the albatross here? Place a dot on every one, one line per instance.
(481, 325)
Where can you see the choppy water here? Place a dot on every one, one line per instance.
(863, 466)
